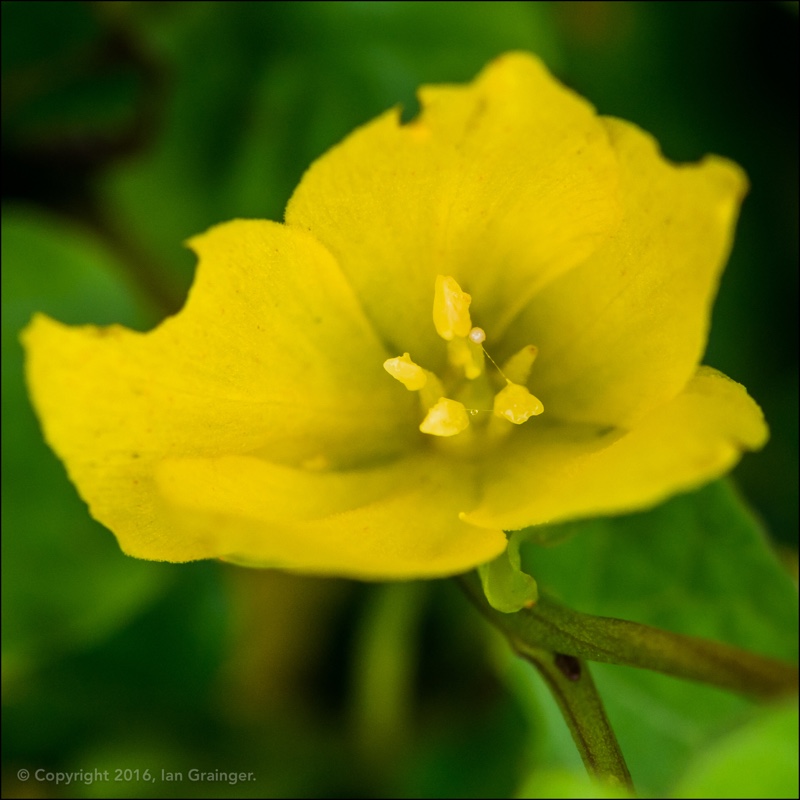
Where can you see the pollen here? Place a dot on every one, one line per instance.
(403, 369)
(516, 404)
(450, 308)
(446, 418)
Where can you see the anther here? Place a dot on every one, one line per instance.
(446, 418)
(466, 354)
(516, 404)
(403, 369)
(450, 308)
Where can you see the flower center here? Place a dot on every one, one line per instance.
(467, 394)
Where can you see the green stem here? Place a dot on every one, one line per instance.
(556, 639)
(383, 678)
(573, 689)
(571, 684)
(557, 629)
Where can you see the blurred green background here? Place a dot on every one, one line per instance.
(128, 127)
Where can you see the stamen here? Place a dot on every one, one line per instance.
(464, 353)
(450, 308)
(446, 418)
(518, 368)
(516, 404)
(403, 369)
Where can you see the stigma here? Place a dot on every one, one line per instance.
(468, 390)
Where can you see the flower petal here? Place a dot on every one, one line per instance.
(555, 473)
(503, 184)
(390, 522)
(271, 354)
(623, 332)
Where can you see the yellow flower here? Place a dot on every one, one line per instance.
(326, 402)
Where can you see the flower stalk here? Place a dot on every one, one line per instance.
(570, 682)
(558, 641)
(558, 629)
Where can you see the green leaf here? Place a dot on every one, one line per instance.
(759, 759)
(557, 783)
(698, 565)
